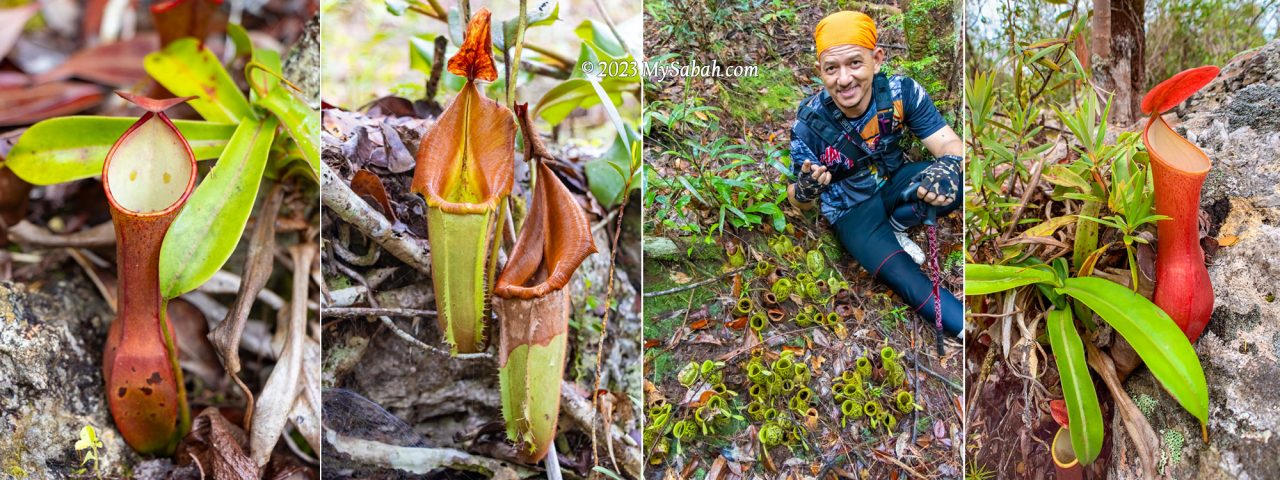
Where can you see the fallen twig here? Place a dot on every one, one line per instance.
(1140, 431)
(420, 344)
(356, 312)
(583, 413)
(352, 209)
(258, 266)
(29, 234)
(421, 460)
(694, 285)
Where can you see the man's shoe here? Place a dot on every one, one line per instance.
(910, 247)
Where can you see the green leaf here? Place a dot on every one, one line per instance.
(1159, 341)
(208, 229)
(186, 68)
(63, 149)
(607, 175)
(601, 38)
(1062, 175)
(299, 120)
(559, 102)
(545, 12)
(396, 7)
(1083, 411)
(982, 279)
(606, 472)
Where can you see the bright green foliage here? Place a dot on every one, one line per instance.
(208, 229)
(89, 444)
(1083, 409)
(64, 149)
(187, 68)
(1153, 335)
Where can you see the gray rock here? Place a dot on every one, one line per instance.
(50, 380)
(1236, 120)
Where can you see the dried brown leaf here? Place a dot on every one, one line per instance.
(367, 184)
(117, 64)
(288, 379)
(217, 447)
(27, 105)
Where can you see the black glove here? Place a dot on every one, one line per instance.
(941, 177)
(808, 188)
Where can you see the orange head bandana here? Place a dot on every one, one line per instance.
(845, 28)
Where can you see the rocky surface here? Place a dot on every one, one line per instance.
(1236, 120)
(51, 339)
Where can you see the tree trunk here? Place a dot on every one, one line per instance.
(932, 33)
(1119, 44)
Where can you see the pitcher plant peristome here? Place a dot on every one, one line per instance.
(534, 308)
(465, 171)
(147, 177)
(1183, 289)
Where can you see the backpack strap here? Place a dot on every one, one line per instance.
(886, 110)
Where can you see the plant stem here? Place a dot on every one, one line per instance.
(513, 67)
(612, 28)
(565, 63)
(1133, 266)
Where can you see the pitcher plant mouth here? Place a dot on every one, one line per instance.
(1172, 151)
(134, 159)
(148, 175)
(465, 171)
(1063, 455)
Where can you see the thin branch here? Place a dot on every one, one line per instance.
(419, 343)
(26, 233)
(613, 28)
(419, 460)
(581, 412)
(694, 285)
(513, 66)
(352, 209)
(357, 312)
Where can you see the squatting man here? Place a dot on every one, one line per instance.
(847, 158)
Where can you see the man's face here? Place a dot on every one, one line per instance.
(847, 71)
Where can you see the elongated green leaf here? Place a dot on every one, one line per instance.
(573, 93)
(607, 175)
(186, 68)
(208, 229)
(984, 279)
(1087, 428)
(71, 148)
(1159, 341)
(299, 120)
(268, 92)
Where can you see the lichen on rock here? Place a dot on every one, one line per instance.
(50, 380)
